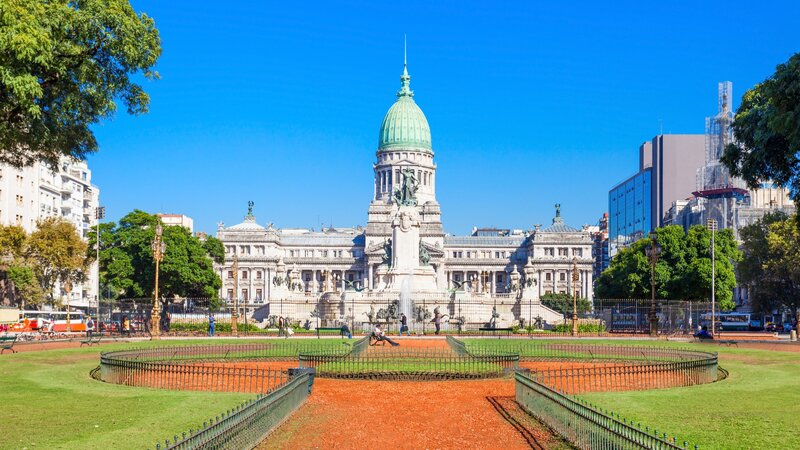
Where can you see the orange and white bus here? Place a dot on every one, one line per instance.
(49, 321)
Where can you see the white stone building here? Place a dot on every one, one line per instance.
(37, 192)
(343, 274)
(180, 220)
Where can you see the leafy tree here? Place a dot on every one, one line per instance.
(767, 131)
(127, 264)
(563, 303)
(783, 264)
(683, 270)
(62, 66)
(26, 287)
(12, 240)
(215, 249)
(57, 254)
(765, 287)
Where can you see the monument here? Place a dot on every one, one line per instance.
(407, 266)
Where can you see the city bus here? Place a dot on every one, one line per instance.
(728, 321)
(49, 321)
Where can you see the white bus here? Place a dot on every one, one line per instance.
(728, 321)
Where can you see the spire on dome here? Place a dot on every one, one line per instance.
(405, 79)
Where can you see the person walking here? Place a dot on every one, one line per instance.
(126, 326)
(281, 325)
(437, 319)
(404, 324)
(89, 326)
(211, 324)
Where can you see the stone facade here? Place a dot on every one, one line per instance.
(342, 273)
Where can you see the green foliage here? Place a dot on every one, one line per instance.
(126, 259)
(767, 131)
(63, 65)
(219, 327)
(767, 288)
(683, 270)
(582, 328)
(783, 265)
(563, 303)
(215, 249)
(26, 286)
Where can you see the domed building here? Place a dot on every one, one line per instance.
(340, 274)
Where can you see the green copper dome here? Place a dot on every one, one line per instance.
(404, 125)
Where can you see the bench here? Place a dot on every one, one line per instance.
(7, 343)
(495, 330)
(339, 329)
(94, 339)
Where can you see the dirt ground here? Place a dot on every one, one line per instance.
(411, 414)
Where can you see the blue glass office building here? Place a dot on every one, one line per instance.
(629, 211)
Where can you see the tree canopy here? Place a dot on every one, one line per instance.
(683, 270)
(771, 266)
(767, 132)
(766, 287)
(63, 64)
(57, 254)
(127, 264)
(563, 303)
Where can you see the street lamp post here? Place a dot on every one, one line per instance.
(158, 246)
(99, 213)
(68, 290)
(575, 279)
(235, 312)
(653, 252)
(712, 225)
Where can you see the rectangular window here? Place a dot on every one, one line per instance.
(577, 252)
(562, 276)
(548, 276)
(244, 274)
(244, 295)
(258, 273)
(230, 294)
(230, 273)
(500, 278)
(258, 294)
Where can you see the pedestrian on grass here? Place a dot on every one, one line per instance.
(345, 331)
(211, 323)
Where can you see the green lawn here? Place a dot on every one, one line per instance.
(756, 407)
(48, 400)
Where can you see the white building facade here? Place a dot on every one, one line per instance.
(37, 192)
(345, 274)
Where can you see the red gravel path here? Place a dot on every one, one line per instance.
(397, 414)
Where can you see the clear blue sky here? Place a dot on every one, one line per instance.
(529, 105)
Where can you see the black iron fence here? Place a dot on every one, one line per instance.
(228, 368)
(454, 315)
(584, 425)
(249, 423)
